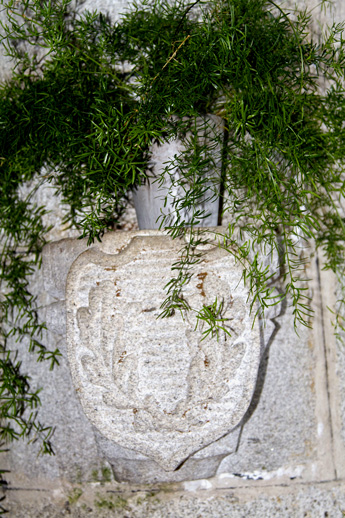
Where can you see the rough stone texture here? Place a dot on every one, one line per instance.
(283, 410)
(151, 384)
(115, 8)
(340, 355)
(332, 292)
(43, 194)
(131, 466)
(289, 428)
(285, 434)
(310, 404)
(211, 501)
(80, 450)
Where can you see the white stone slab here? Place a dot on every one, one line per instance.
(151, 384)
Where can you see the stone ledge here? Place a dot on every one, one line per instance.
(323, 500)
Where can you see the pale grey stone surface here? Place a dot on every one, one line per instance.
(131, 466)
(151, 384)
(41, 488)
(76, 450)
(335, 347)
(341, 377)
(115, 8)
(284, 410)
(314, 501)
(79, 448)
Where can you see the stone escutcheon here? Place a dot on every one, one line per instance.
(153, 384)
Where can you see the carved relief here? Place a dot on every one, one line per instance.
(153, 384)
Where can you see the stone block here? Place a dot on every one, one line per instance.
(159, 386)
(284, 407)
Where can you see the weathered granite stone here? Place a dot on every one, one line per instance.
(152, 384)
(280, 429)
(131, 466)
(333, 292)
(254, 501)
(288, 427)
(285, 430)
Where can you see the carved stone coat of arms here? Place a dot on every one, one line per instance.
(154, 384)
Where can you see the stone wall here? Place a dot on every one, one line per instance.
(286, 457)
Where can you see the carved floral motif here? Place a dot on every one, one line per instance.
(153, 384)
